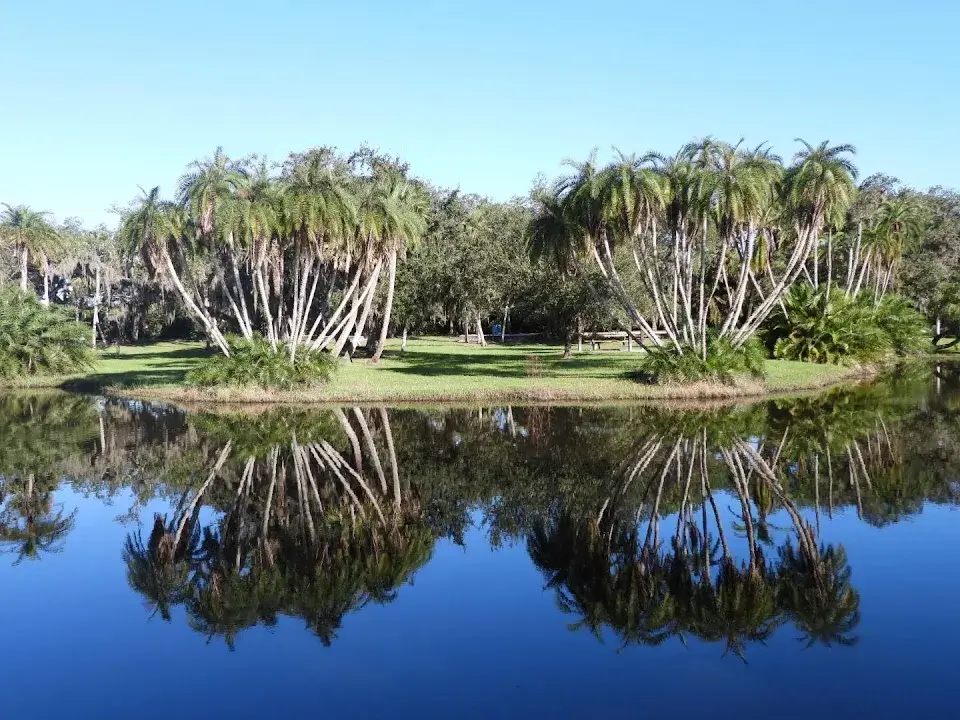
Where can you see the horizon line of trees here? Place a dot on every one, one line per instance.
(324, 249)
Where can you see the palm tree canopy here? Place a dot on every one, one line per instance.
(821, 181)
(25, 227)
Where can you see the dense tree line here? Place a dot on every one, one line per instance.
(324, 249)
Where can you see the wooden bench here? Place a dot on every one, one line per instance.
(622, 336)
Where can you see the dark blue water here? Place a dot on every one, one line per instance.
(787, 559)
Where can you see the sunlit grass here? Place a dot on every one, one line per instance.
(435, 369)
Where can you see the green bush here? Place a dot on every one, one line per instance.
(837, 329)
(39, 340)
(255, 364)
(903, 324)
(722, 365)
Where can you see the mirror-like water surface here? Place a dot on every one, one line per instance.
(787, 558)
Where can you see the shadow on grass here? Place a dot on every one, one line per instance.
(187, 352)
(147, 369)
(428, 364)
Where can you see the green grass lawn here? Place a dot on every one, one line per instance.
(432, 369)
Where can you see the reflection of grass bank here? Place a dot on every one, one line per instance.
(435, 370)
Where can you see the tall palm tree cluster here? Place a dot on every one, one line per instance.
(294, 256)
(881, 225)
(31, 235)
(702, 245)
(75, 264)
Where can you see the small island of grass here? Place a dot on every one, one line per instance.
(430, 370)
(724, 270)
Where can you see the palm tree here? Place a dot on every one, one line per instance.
(585, 195)
(160, 232)
(816, 593)
(816, 191)
(206, 185)
(404, 222)
(320, 219)
(820, 185)
(209, 192)
(549, 237)
(899, 222)
(255, 225)
(31, 234)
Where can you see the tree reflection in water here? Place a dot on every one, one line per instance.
(301, 530)
(654, 525)
(619, 569)
(31, 522)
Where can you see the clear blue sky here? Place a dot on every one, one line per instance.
(103, 95)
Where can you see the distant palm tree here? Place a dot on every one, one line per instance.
(899, 222)
(30, 233)
(821, 182)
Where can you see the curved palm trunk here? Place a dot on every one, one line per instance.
(388, 309)
(350, 320)
(352, 436)
(362, 322)
(203, 488)
(212, 330)
(392, 454)
(371, 448)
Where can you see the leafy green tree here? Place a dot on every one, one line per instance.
(931, 266)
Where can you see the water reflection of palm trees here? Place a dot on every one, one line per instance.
(302, 530)
(48, 440)
(31, 523)
(707, 526)
(623, 569)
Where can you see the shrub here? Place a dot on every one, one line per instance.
(39, 340)
(903, 324)
(255, 364)
(722, 365)
(837, 329)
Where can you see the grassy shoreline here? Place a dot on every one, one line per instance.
(435, 370)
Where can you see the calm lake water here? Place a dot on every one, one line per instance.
(787, 559)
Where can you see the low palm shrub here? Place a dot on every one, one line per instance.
(255, 364)
(904, 325)
(36, 339)
(820, 327)
(723, 363)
